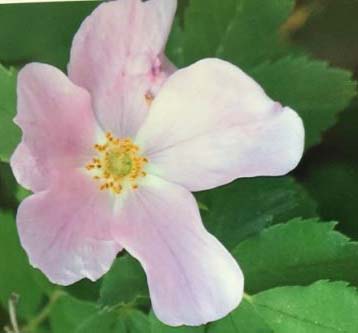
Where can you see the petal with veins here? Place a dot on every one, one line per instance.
(192, 278)
(58, 126)
(211, 124)
(65, 230)
(117, 55)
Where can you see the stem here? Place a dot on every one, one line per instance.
(12, 312)
(248, 298)
(42, 316)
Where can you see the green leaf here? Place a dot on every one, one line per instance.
(175, 48)
(134, 321)
(11, 193)
(333, 183)
(317, 92)
(104, 322)
(85, 289)
(320, 308)
(8, 187)
(10, 133)
(111, 321)
(244, 32)
(125, 283)
(246, 206)
(42, 282)
(299, 252)
(157, 326)
(16, 274)
(244, 319)
(25, 38)
(21, 193)
(68, 313)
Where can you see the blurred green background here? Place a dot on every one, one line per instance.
(330, 170)
(325, 184)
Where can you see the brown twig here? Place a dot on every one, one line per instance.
(299, 17)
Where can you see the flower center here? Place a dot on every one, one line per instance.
(118, 164)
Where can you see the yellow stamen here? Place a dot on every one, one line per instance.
(117, 165)
(149, 98)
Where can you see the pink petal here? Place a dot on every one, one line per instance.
(26, 170)
(192, 278)
(58, 126)
(64, 230)
(117, 55)
(211, 124)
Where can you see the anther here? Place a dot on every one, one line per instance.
(149, 97)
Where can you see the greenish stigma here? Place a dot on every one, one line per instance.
(119, 164)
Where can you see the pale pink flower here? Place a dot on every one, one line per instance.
(112, 153)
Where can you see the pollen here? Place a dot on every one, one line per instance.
(118, 164)
(149, 98)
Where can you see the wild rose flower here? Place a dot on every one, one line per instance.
(113, 151)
